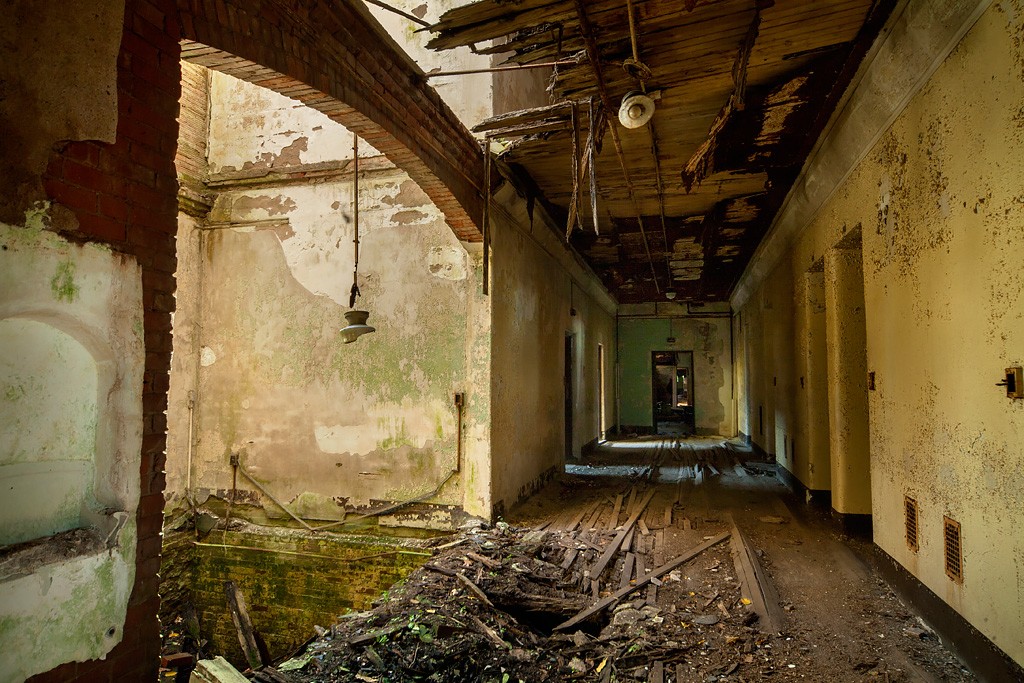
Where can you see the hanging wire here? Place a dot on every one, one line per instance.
(355, 212)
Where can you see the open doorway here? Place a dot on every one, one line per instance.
(603, 417)
(672, 392)
(568, 395)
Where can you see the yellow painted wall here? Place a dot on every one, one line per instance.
(534, 283)
(940, 202)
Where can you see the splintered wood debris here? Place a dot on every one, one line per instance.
(508, 604)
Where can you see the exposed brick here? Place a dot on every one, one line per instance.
(151, 505)
(365, 74)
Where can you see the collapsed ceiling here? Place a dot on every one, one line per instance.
(740, 88)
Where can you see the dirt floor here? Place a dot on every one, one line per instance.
(771, 592)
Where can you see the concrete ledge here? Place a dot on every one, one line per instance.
(981, 655)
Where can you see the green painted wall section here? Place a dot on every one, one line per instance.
(707, 338)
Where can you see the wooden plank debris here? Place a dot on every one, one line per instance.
(614, 521)
(613, 547)
(474, 589)
(488, 562)
(217, 670)
(570, 557)
(627, 570)
(243, 624)
(553, 112)
(754, 583)
(632, 501)
(656, 574)
(658, 673)
(371, 636)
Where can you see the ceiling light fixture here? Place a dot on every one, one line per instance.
(357, 326)
(670, 294)
(636, 110)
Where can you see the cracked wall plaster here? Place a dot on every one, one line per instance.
(58, 82)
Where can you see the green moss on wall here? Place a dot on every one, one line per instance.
(62, 284)
(290, 582)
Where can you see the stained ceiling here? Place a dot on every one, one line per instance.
(741, 89)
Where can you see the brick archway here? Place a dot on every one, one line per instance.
(333, 57)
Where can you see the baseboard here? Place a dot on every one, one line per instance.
(856, 525)
(817, 497)
(978, 653)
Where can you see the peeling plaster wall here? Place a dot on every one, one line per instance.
(71, 368)
(320, 424)
(255, 129)
(708, 339)
(942, 215)
(58, 80)
(473, 97)
(534, 283)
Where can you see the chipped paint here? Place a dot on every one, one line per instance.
(448, 263)
(70, 436)
(312, 418)
(943, 226)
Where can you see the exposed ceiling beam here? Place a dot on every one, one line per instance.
(594, 56)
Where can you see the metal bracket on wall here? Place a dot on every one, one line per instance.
(1014, 382)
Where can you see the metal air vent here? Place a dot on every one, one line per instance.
(953, 549)
(910, 516)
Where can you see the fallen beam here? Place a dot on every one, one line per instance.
(613, 548)
(246, 632)
(656, 574)
(754, 584)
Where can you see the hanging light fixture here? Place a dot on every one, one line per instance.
(636, 110)
(357, 326)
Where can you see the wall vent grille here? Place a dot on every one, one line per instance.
(910, 514)
(953, 549)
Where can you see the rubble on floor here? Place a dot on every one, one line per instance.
(492, 605)
(504, 604)
(636, 579)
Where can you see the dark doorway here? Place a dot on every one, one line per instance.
(672, 392)
(568, 395)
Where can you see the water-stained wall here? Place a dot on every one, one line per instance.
(540, 295)
(266, 275)
(71, 372)
(709, 340)
(939, 206)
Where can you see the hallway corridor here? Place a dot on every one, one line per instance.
(836, 618)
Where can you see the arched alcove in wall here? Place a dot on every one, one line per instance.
(49, 386)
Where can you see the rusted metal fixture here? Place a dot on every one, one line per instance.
(357, 326)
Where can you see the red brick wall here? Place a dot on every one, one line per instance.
(194, 122)
(124, 195)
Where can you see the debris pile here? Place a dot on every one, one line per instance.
(503, 604)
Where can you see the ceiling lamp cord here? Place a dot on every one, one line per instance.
(642, 73)
(634, 67)
(357, 326)
(355, 212)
